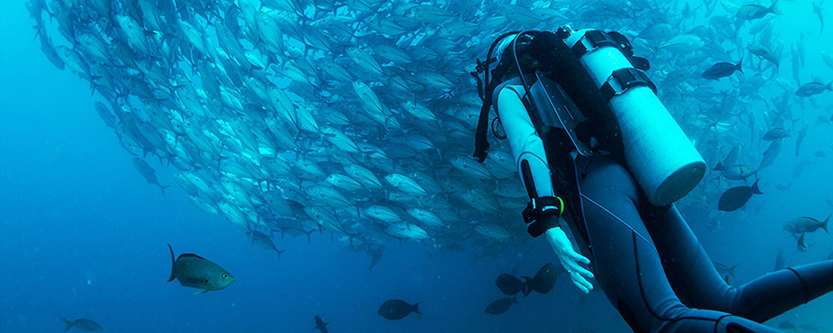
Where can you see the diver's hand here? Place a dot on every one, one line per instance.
(570, 259)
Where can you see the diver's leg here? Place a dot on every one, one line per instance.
(627, 265)
(694, 277)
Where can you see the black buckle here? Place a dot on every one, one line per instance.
(593, 40)
(624, 78)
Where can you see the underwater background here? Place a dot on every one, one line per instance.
(83, 235)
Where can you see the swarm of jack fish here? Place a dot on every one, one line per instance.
(356, 118)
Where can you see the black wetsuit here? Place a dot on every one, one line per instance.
(655, 272)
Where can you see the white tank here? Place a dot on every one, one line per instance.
(659, 155)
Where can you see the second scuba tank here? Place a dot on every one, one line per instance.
(659, 155)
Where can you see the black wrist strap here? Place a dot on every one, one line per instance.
(542, 214)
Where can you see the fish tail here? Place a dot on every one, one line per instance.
(755, 188)
(738, 66)
(68, 323)
(163, 187)
(731, 270)
(719, 166)
(824, 224)
(772, 8)
(173, 261)
(279, 253)
(415, 308)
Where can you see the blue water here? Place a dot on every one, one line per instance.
(83, 235)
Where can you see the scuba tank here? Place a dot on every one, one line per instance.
(661, 158)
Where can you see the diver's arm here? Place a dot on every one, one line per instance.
(530, 156)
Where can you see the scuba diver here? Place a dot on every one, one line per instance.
(598, 154)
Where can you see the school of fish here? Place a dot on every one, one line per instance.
(356, 118)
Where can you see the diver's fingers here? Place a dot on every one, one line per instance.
(581, 283)
(580, 258)
(583, 272)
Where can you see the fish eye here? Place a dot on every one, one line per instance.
(225, 276)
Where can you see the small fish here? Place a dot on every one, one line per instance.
(780, 260)
(764, 53)
(396, 309)
(544, 279)
(405, 184)
(148, 172)
(684, 44)
(510, 285)
(197, 272)
(817, 9)
(813, 88)
(802, 243)
(804, 224)
(264, 241)
(736, 197)
(770, 154)
(827, 58)
(724, 270)
(721, 70)
(800, 139)
(500, 306)
(734, 172)
(83, 324)
(320, 325)
(776, 134)
(752, 12)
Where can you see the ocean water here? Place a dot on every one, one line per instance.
(82, 234)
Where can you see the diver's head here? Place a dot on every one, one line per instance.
(511, 52)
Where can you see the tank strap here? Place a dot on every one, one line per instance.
(624, 78)
(595, 39)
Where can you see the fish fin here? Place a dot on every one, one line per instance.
(200, 291)
(731, 270)
(415, 308)
(173, 261)
(755, 188)
(528, 285)
(191, 255)
(719, 166)
(772, 8)
(68, 323)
